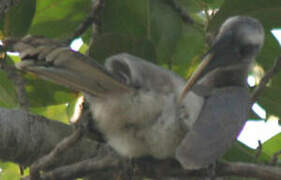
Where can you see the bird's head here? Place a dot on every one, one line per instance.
(241, 36)
(238, 42)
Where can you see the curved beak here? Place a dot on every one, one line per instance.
(209, 62)
(195, 75)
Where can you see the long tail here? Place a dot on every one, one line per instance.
(56, 62)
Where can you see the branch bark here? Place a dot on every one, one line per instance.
(24, 138)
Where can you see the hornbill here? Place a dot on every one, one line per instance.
(145, 110)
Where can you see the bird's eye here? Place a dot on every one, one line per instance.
(245, 50)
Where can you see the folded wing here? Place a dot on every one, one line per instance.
(56, 62)
(219, 123)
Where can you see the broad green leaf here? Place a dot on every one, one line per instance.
(213, 3)
(59, 19)
(153, 23)
(48, 99)
(193, 6)
(10, 171)
(18, 19)
(266, 11)
(272, 145)
(8, 95)
(55, 112)
(110, 44)
(270, 98)
(242, 153)
(44, 93)
(165, 29)
(189, 50)
(126, 17)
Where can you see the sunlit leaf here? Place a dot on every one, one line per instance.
(241, 152)
(9, 171)
(59, 19)
(272, 145)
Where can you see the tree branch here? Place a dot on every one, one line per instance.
(249, 170)
(181, 11)
(24, 138)
(160, 169)
(49, 159)
(92, 18)
(266, 78)
(83, 168)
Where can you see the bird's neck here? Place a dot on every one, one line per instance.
(226, 76)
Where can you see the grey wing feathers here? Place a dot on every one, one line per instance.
(122, 73)
(60, 64)
(216, 128)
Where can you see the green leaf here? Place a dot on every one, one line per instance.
(272, 145)
(266, 11)
(17, 20)
(126, 17)
(109, 44)
(270, 98)
(188, 52)
(165, 29)
(8, 95)
(43, 93)
(242, 153)
(59, 19)
(57, 112)
(9, 171)
(48, 99)
(149, 29)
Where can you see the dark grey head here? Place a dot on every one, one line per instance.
(238, 42)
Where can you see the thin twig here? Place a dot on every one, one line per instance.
(275, 158)
(50, 158)
(82, 168)
(266, 78)
(181, 11)
(259, 150)
(92, 18)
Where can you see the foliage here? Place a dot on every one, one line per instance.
(151, 29)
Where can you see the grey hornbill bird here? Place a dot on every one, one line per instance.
(145, 110)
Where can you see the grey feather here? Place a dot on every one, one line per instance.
(220, 121)
(135, 104)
